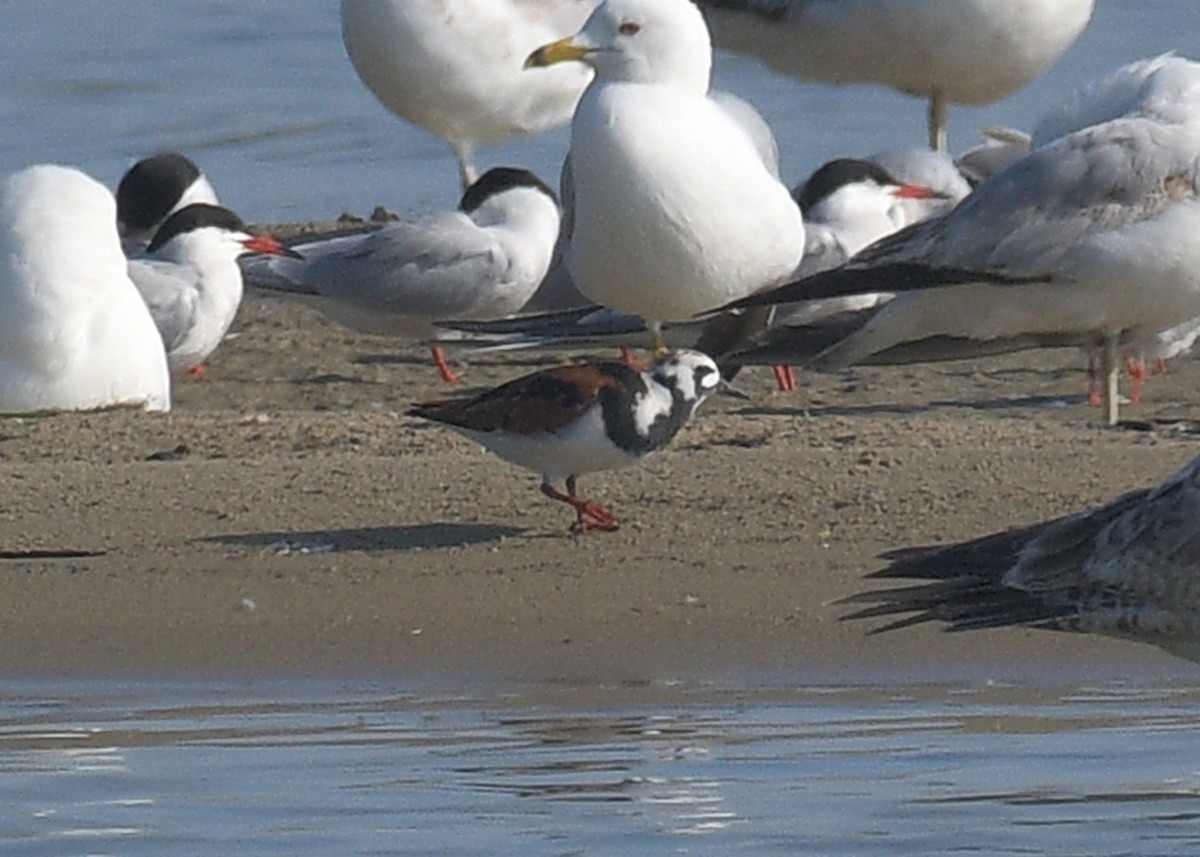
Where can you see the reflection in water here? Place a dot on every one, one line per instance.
(308, 768)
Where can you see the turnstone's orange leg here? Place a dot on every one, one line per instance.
(198, 371)
(601, 518)
(1137, 371)
(1095, 399)
(443, 367)
(588, 515)
(785, 378)
(1160, 366)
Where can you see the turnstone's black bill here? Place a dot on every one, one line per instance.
(1126, 569)
(571, 420)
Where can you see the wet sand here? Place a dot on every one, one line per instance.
(287, 518)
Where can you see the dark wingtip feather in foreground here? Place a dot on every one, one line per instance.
(967, 590)
(555, 321)
(857, 280)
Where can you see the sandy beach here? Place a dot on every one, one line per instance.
(287, 518)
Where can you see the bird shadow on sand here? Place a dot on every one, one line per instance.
(43, 554)
(896, 409)
(1170, 426)
(457, 358)
(326, 378)
(394, 359)
(367, 539)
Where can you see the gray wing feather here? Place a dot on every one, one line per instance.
(1032, 218)
(172, 303)
(443, 268)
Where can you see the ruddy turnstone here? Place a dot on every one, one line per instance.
(1127, 569)
(571, 420)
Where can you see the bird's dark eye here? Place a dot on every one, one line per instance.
(629, 28)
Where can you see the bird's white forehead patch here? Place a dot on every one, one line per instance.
(679, 373)
(676, 375)
(651, 406)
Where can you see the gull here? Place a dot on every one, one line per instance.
(1161, 87)
(483, 260)
(558, 290)
(570, 420)
(1164, 87)
(190, 280)
(1128, 569)
(675, 210)
(947, 51)
(1088, 241)
(453, 67)
(152, 190)
(74, 333)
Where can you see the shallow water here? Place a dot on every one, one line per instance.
(315, 768)
(261, 94)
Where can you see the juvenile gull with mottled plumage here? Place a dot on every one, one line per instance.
(1127, 569)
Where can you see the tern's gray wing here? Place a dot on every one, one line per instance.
(170, 291)
(1130, 568)
(1002, 147)
(397, 280)
(444, 268)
